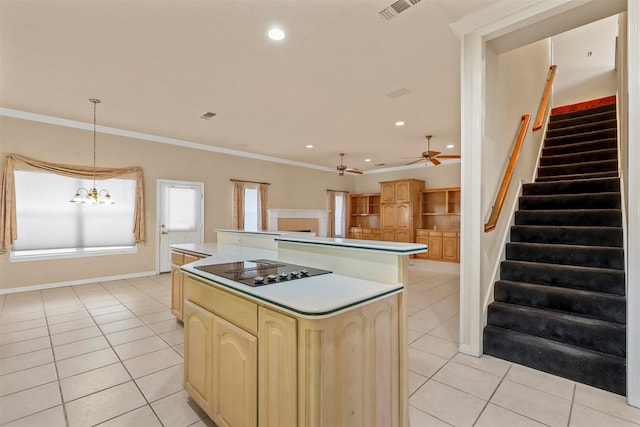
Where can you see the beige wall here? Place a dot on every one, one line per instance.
(445, 175)
(515, 84)
(291, 187)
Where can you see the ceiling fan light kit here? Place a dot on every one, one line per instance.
(342, 168)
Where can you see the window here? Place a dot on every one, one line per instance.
(251, 209)
(339, 214)
(48, 225)
(183, 208)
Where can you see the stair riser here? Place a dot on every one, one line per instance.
(595, 175)
(579, 168)
(603, 144)
(581, 137)
(587, 236)
(587, 217)
(606, 281)
(611, 308)
(601, 371)
(568, 201)
(599, 257)
(581, 128)
(605, 185)
(586, 112)
(607, 115)
(578, 157)
(572, 330)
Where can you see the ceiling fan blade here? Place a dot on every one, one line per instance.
(354, 171)
(434, 153)
(450, 156)
(415, 161)
(435, 161)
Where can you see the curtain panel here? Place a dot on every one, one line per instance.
(238, 205)
(9, 227)
(263, 192)
(331, 206)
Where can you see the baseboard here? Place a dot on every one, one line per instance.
(76, 282)
(468, 350)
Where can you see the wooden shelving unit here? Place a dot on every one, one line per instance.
(440, 228)
(364, 213)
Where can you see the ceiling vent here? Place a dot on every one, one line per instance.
(207, 115)
(400, 6)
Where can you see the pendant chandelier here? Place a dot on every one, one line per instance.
(93, 196)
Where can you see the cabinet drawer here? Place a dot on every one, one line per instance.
(234, 309)
(177, 258)
(435, 233)
(450, 234)
(421, 232)
(190, 258)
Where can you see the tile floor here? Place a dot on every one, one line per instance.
(110, 354)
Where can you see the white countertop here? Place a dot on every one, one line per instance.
(311, 297)
(225, 253)
(398, 248)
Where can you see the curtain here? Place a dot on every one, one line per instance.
(8, 226)
(263, 192)
(331, 206)
(238, 205)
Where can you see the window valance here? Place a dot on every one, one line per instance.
(8, 223)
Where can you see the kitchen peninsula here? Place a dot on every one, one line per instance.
(320, 340)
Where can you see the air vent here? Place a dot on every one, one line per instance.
(400, 6)
(398, 93)
(207, 115)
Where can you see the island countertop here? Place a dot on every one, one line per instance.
(311, 297)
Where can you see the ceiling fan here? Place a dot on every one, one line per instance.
(342, 168)
(432, 156)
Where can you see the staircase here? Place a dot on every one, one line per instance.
(560, 303)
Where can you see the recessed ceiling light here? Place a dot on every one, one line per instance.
(367, 160)
(450, 146)
(309, 145)
(276, 33)
(400, 123)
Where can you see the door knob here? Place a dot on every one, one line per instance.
(164, 232)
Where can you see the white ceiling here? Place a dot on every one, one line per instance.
(158, 65)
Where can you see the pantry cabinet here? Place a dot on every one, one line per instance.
(400, 209)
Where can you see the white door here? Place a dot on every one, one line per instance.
(180, 216)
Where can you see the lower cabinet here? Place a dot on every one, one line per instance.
(178, 259)
(250, 365)
(442, 245)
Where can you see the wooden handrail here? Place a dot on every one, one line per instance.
(545, 99)
(506, 179)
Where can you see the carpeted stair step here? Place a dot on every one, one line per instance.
(570, 201)
(584, 112)
(596, 305)
(580, 137)
(579, 168)
(594, 185)
(560, 121)
(594, 175)
(601, 144)
(579, 157)
(585, 256)
(585, 366)
(579, 128)
(566, 328)
(577, 217)
(602, 280)
(566, 235)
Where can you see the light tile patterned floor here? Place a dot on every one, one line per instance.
(110, 354)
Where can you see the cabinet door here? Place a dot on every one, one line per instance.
(425, 241)
(449, 246)
(387, 192)
(198, 341)
(235, 376)
(403, 191)
(388, 215)
(176, 291)
(388, 235)
(403, 235)
(403, 216)
(435, 246)
(278, 379)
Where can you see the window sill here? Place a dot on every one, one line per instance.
(53, 254)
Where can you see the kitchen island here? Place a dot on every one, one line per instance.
(327, 350)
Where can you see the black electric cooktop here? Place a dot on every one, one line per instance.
(260, 272)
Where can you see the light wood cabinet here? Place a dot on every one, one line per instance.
(450, 245)
(234, 375)
(178, 259)
(364, 211)
(345, 369)
(443, 245)
(440, 214)
(400, 209)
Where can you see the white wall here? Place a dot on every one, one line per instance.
(581, 76)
